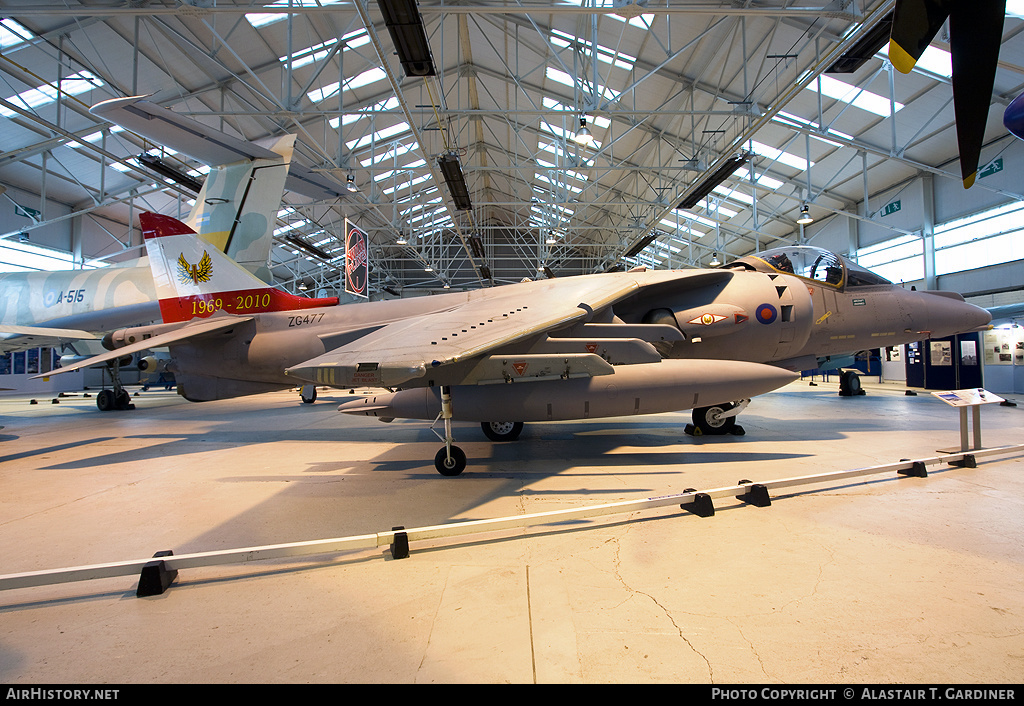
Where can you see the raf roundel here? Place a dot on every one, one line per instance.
(766, 313)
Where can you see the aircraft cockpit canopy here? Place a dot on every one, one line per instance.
(807, 262)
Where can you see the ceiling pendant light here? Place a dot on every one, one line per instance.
(583, 135)
(805, 216)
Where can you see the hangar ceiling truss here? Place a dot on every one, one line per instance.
(670, 90)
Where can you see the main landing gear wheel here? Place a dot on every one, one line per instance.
(308, 394)
(117, 398)
(709, 420)
(105, 400)
(502, 431)
(451, 464)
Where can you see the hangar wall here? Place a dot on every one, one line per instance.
(917, 206)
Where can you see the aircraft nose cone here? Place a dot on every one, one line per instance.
(950, 315)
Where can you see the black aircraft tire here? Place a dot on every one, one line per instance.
(502, 431)
(704, 419)
(122, 400)
(308, 396)
(105, 400)
(450, 466)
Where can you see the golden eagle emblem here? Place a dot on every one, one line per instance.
(195, 273)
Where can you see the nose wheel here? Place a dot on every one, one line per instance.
(450, 460)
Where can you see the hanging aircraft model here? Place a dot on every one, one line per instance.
(975, 34)
(613, 344)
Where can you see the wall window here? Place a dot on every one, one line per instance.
(987, 238)
(898, 260)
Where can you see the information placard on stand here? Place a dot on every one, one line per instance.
(971, 398)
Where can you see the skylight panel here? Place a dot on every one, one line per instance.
(92, 138)
(379, 136)
(418, 197)
(365, 78)
(592, 120)
(604, 54)
(717, 209)
(262, 19)
(349, 118)
(12, 35)
(683, 226)
(857, 97)
(790, 160)
(734, 194)
(642, 21)
(392, 153)
(290, 227)
(402, 169)
(690, 215)
(790, 119)
(566, 80)
(424, 216)
(566, 134)
(408, 184)
(536, 208)
(72, 85)
(761, 179)
(559, 184)
(352, 40)
(310, 54)
(934, 60)
(420, 206)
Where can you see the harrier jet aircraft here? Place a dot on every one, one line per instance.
(603, 345)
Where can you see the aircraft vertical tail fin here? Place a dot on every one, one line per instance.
(236, 208)
(195, 280)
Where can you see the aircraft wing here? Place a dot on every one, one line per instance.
(430, 348)
(19, 338)
(189, 330)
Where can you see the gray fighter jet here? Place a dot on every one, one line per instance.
(603, 345)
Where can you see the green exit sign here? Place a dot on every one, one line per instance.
(993, 167)
(28, 212)
(892, 207)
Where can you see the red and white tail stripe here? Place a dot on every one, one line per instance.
(196, 280)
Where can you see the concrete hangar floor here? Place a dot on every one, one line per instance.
(878, 579)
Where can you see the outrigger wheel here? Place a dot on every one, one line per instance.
(709, 420)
